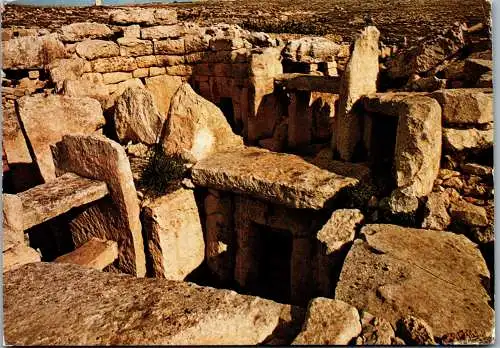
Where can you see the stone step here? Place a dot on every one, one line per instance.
(274, 177)
(44, 202)
(96, 253)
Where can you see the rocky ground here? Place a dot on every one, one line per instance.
(338, 20)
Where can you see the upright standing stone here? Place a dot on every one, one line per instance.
(163, 88)
(113, 218)
(46, 119)
(174, 235)
(360, 78)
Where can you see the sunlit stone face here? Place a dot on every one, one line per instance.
(202, 143)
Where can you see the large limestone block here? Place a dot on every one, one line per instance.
(13, 141)
(92, 49)
(195, 127)
(274, 177)
(85, 30)
(145, 16)
(136, 117)
(340, 229)
(115, 217)
(329, 322)
(43, 202)
(162, 32)
(31, 52)
(12, 211)
(163, 88)
(467, 139)
(135, 47)
(67, 115)
(65, 304)
(104, 65)
(174, 235)
(418, 146)
(67, 69)
(465, 106)
(360, 78)
(96, 253)
(311, 50)
(439, 277)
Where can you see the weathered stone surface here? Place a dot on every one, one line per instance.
(437, 276)
(115, 77)
(12, 211)
(465, 106)
(360, 78)
(115, 217)
(132, 31)
(135, 47)
(415, 331)
(311, 50)
(468, 213)
(71, 305)
(96, 253)
(145, 16)
(174, 235)
(67, 69)
(375, 331)
(418, 146)
(43, 202)
(92, 49)
(436, 215)
(195, 127)
(31, 52)
(136, 117)
(340, 229)
(67, 115)
(17, 256)
(274, 177)
(114, 64)
(330, 322)
(468, 168)
(161, 32)
(88, 88)
(467, 139)
(307, 82)
(13, 141)
(85, 30)
(118, 90)
(169, 46)
(163, 89)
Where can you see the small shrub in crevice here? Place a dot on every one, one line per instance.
(163, 173)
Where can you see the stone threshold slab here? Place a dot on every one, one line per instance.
(46, 201)
(274, 177)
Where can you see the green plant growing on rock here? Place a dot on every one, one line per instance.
(163, 173)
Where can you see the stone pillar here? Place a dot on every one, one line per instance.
(299, 120)
(220, 235)
(246, 265)
(360, 78)
(300, 271)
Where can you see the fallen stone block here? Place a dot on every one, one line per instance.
(174, 235)
(67, 115)
(465, 106)
(96, 254)
(375, 331)
(274, 177)
(72, 305)
(439, 277)
(467, 139)
(329, 322)
(468, 213)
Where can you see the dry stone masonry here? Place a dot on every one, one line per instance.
(167, 182)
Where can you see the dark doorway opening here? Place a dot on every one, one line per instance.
(227, 108)
(274, 252)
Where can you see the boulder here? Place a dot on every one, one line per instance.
(163, 89)
(92, 49)
(72, 305)
(375, 331)
(359, 78)
(467, 139)
(67, 115)
(31, 52)
(339, 229)
(436, 215)
(75, 32)
(174, 235)
(274, 177)
(439, 277)
(195, 127)
(465, 106)
(136, 117)
(115, 217)
(415, 331)
(329, 322)
(468, 213)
